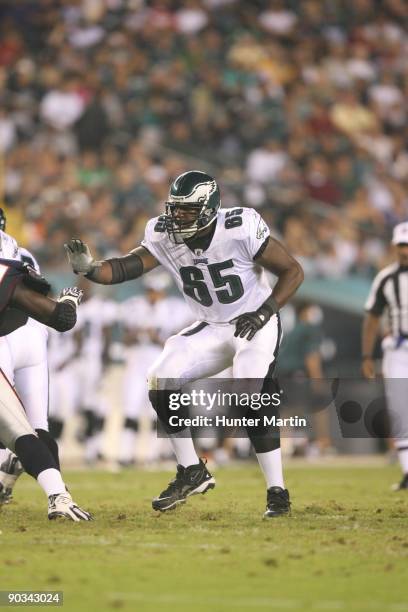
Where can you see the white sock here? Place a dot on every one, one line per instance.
(184, 450)
(51, 482)
(402, 449)
(4, 453)
(271, 466)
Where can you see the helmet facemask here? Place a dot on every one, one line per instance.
(188, 214)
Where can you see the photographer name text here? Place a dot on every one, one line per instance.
(223, 421)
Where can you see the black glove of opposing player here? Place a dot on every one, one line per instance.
(249, 323)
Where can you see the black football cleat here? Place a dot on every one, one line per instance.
(277, 502)
(401, 486)
(189, 480)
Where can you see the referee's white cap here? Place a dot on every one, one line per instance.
(400, 233)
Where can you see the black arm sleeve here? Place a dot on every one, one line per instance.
(63, 317)
(124, 268)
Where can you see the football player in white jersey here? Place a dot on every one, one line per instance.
(158, 317)
(218, 259)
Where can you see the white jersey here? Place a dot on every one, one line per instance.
(165, 317)
(223, 281)
(8, 247)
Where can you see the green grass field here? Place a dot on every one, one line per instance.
(345, 547)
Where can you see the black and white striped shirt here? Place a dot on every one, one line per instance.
(390, 290)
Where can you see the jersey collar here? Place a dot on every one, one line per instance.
(202, 243)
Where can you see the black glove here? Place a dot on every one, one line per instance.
(249, 323)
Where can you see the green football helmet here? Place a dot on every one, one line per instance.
(192, 205)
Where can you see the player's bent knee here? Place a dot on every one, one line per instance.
(167, 372)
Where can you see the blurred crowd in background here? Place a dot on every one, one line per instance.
(297, 107)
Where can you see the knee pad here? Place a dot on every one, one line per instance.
(132, 424)
(34, 455)
(46, 437)
(160, 400)
(264, 437)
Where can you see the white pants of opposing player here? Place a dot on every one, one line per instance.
(205, 349)
(23, 359)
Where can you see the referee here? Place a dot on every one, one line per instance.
(389, 291)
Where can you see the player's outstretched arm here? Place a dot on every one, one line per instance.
(109, 271)
(59, 314)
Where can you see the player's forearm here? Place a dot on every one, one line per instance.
(110, 271)
(371, 326)
(59, 315)
(116, 270)
(288, 282)
(100, 273)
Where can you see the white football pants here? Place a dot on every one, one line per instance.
(206, 349)
(26, 367)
